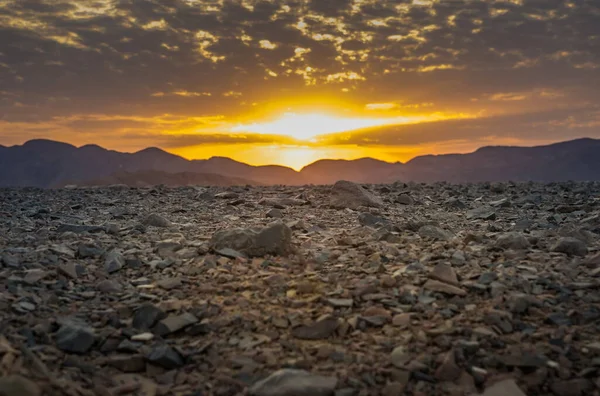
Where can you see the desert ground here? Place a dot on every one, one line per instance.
(399, 289)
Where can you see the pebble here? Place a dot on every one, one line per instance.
(288, 382)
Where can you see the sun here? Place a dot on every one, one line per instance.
(306, 127)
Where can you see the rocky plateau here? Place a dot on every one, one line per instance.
(396, 289)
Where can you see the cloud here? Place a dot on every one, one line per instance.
(200, 58)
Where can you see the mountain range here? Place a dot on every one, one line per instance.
(47, 163)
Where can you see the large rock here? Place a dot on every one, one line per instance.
(275, 239)
(293, 382)
(571, 247)
(345, 194)
(75, 337)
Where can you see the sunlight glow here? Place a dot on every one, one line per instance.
(308, 126)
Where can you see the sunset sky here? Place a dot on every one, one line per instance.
(293, 81)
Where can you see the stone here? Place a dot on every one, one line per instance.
(169, 283)
(481, 213)
(571, 247)
(74, 337)
(88, 250)
(512, 240)
(156, 220)
(68, 269)
(346, 194)
(503, 388)
(448, 370)
(172, 324)
(114, 261)
(433, 232)
(146, 316)
(400, 357)
(402, 320)
(165, 356)
(34, 276)
(444, 273)
(316, 331)
(128, 363)
(275, 239)
(405, 199)
(275, 213)
(370, 220)
(445, 288)
(294, 382)
(340, 302)
(109, 286)
(16, 385)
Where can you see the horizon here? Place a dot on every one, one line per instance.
(291, 167)
(293, 82)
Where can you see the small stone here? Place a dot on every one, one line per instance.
(316, 331)
(400, 357)
(458, 258)
(169, 283)
(388, 281)
(440, 287)
(518, 303)
(34, 276)
(146, 316)
(172, 324)
(274, 239)
(75, 338)
(402, 320)
(165, 357)
(128, 363)
(448, 370)
(294, 382)
(275, 214)
(340, 302)
(433, 232)
(109, 286)
(89, 251)
(156, 220)
(503, 388)
(405, 199)
(571, 247)
(113, 262)
(481, 213)
(10, 261)
(444, 273)
(393, 389)
(68, 269)
(487, 277)
(370, 220)
(512, 240)
(142, 337)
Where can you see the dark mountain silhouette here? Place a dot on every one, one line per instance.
(46, 163)
(572, 160)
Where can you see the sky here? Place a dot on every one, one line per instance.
(293, 81)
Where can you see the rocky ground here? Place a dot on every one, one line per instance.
(387, 290)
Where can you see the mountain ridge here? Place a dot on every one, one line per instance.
(46, 163)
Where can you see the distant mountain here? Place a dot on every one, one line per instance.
(46, 163)
(147, 178)
(572, 160)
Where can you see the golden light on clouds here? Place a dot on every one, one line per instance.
(307, 127)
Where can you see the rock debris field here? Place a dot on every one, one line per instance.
(401, 289)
